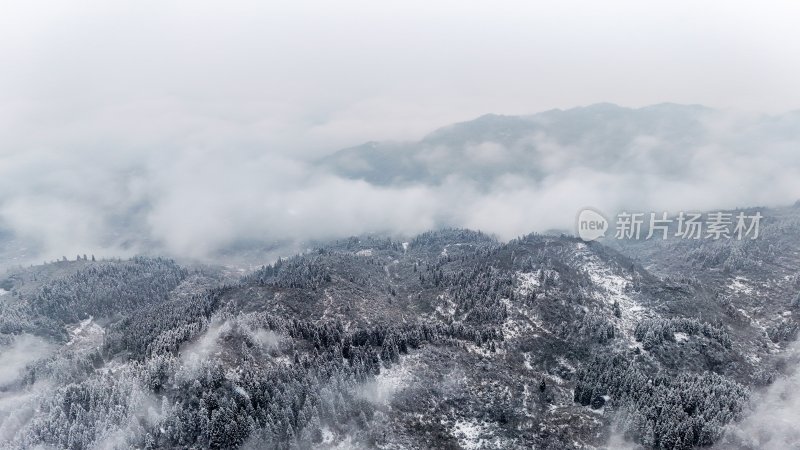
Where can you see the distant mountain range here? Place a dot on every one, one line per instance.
(660, 140)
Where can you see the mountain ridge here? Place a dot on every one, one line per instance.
(596, 135)
(450, 339)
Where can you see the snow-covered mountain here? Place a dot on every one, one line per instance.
(448, 340)
(665, 141)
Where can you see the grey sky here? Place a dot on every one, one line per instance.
(318, 75)
(190, 125)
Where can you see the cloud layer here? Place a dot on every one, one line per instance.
(194, 192)
(183, 128)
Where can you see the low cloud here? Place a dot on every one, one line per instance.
(24, 349)
(17, 402)
(771, 421)
(200, 187)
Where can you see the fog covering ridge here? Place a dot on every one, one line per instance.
(197, 188)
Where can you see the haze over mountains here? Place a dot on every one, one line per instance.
(603, 137)
(174, 195)
(407, 335)
(350, 225)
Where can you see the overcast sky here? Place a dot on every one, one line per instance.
(191, 123)
(314, 76)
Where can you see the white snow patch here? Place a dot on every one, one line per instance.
(752, 358)
(681, 336)
(526, 358)
(739, 285)
(87, 334)
(327, 436)
(483, 351)
(114, 366)
(611, 287)
(512, 327)
(522, 320)
(240, 390)
(470, 433)
(527, 282)
(3, 291)
(447, 307)
(771, 345)
(563, 361)
(405, 247)
(367, 252)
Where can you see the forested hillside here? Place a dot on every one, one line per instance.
(447, 340)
